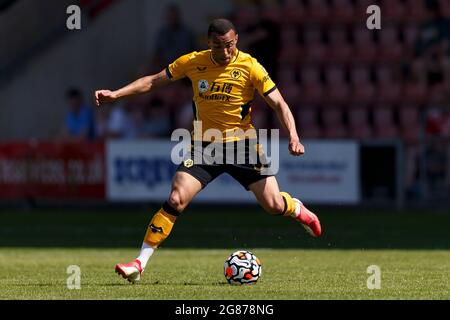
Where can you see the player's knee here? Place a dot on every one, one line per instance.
(177, 200)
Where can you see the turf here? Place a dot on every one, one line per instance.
(198, 274)
(414, 258)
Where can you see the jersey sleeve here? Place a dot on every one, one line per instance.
(177, 69)
(261, 79)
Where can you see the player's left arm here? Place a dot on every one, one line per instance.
(275, 100)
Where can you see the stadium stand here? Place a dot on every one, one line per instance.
(341, 79)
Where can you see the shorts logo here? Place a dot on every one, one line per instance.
(188, 163)
(236, 74)
(203, 86)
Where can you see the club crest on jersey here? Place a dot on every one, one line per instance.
(188, 163)
(203, 86)
(236, 74)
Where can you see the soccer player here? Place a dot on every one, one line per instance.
(224, 80)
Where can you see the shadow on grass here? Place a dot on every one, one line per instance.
(213, 227)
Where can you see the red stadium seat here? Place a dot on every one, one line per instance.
(410, 123)
(389, 88)
(358, 118)
(273, 12)
(310, 74)
(315, 48)
(286, 75)
(259, 114)
(360, 74)
(393, 11)
(316, 53)
(307, 122)
(290, 92)
(363, 93)
(389, 92)
(384, 125)
(438, 94)
(334, 127)
(312, 93)
(289, 36)
(385, 72)
(341, 54)
(290, 54)
(390, 47)
(335, 74)
(343, 11)
(338, 92)
(337, 88)
(363, 89)
(415, 92)
(293, 12)
(340, 50)
(415, 11)
(312, 90)
(317, 11)
(410, 34)
(364, 46)
(445, 8)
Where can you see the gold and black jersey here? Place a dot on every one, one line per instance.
(222, 94)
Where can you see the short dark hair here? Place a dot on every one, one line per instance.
(221, 27)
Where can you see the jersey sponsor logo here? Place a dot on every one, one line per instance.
(203, 86)
(266, 78)
(236, 74)
(217, 89)
(216, 97)
(222, 87)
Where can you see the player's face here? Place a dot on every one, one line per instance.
(223, 48)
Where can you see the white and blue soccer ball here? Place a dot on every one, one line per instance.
(242, 267)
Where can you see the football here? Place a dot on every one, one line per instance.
(242, 267)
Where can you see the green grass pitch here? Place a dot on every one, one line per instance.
(37, 247)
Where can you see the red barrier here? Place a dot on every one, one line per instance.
(52, 171)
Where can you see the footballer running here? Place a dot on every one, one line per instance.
(224, 80)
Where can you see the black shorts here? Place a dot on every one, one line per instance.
(245, 161)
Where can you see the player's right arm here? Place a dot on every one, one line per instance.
(140, 86)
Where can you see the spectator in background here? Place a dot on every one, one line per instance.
(119, 124)
(101, 123)
(260, 36)
(158, 122)
(79, 122)
(173, 40)
(432, 47)
(435, 31)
